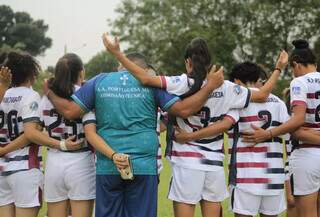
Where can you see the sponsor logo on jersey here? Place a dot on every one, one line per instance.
(296, 90)
(237, 89)
(175, 79)
(34, 106)
(124, 79)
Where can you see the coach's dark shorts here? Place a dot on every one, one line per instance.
(118, 198)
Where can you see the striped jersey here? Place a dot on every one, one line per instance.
(20, 105)
(305, 90)
(60, 128)
(205, 154)
(258, 169)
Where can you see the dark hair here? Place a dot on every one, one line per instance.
(66, 75)
(197, 50)
(302, 53)
(247, 72)
(23, 67)
(3, 56)
(138, 59)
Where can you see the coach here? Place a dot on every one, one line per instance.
(126, 120)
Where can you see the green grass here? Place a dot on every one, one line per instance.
(165, 205)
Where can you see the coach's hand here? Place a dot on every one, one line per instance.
(5, 76)
(112, 47)
(257, 136)
(73, 145)
(282, 60)
(215, 78)
(120, 160)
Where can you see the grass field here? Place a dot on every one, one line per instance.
(165, 205)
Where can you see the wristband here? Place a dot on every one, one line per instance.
(63, 146)
(277, 69)
(113, 155)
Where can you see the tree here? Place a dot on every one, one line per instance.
(101, 62)
(18, 29)
(236, 30)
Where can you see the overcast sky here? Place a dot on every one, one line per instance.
(78, 24)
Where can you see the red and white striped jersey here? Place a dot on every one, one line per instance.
(259, 169)
(60, 128)
(205, 154)
(20, 105)
(305, 90)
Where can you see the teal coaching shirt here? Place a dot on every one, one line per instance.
(126, 114)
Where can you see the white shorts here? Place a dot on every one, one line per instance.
(191, 186)
(245, 203)
(24, 189)
(305, 172)
(69, 176)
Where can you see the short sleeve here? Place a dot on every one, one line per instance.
(283, 116)
(177, 85)
(89, 118)
(298, 93)
(85, 96)
(30, 111)
(237, 96)
(164, 100)
(234, 115)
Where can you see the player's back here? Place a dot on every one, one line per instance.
(259, 168)
(19, 105)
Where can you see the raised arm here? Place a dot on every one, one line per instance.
(212, 130)
(194, 103)
(141, 74)
(5, 81)
(264, 92)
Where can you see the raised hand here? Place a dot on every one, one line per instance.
(282, 60)
(5, 76)
(112, 47)
(215, 78)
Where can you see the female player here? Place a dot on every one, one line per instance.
(21, 178)
(202, 159)
(70, 175)
(305, 105)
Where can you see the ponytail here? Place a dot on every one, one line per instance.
(67, 73)
(197, 50)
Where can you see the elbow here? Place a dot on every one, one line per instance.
(262, 97)
(69, 114)
(184, 113)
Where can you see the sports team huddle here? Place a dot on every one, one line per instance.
(101, 137)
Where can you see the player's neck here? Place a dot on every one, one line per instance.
(26, 84)
(309, 69)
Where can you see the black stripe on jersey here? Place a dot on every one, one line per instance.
(19, 119)
(210, 150)
(206, 141)
(275, 139)
(19, 158)
(274, 155)
(89, 122)
(31, 119)
(79, 150)
(286, 163)
(4, 140)
(248, 99)
(275, 123)
(275, 170)
(212, 162)
(275, 186)
(8, 173)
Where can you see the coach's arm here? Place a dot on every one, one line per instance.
(67, 108)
